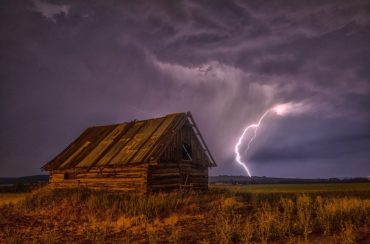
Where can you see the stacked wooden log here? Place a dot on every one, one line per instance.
(126, 178)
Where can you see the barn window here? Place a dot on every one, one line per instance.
(68, 176)
(186, 151)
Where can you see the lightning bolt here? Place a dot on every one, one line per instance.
(280, 110)
(238, 144)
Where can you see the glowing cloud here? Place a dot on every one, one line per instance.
(50, 10)
(290, 108)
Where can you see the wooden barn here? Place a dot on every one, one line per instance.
(160, 154)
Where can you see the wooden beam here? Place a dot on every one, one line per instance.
(201, 138)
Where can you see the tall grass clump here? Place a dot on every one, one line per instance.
(228, 223)
(265, 218)
(347, 234)
(287, 211)
(150, 206)
(155, 205)
(48, 197)
(304, 215)
(334, 213)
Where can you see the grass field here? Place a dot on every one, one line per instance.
(290, 213)
(7, 198)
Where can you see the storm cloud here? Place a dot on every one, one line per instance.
(66, 65)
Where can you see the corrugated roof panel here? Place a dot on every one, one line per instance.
(135, 144)
(176, 122)
(117, 149)
(113, 151)
(101, 147)
(94, 137)
(152, 141)
(75, 153)
(140, 154)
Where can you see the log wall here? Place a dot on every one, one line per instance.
(128, 178)
(173, 176)
(172, 172)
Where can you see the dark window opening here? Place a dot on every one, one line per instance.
(186, 152)
(68, 176)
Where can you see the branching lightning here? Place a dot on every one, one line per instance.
(237, 146)
(280, 109)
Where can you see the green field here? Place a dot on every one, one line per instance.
(295, 188)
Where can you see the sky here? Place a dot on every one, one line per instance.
(67, 65)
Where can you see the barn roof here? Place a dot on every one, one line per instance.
(119, 144)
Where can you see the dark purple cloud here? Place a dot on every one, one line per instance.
(66, 65)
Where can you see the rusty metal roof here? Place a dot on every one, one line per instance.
(114, 145)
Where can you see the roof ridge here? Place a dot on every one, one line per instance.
(135, 120)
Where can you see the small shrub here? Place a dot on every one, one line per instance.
(248, 230)
(175, 235)
(347, 234)
(287, 217)
(265, 219)
(153, 236)
(304, 215)
(228, 224)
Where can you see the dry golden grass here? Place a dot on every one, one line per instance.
(294, 219)
(12, 198)
(218, 216)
